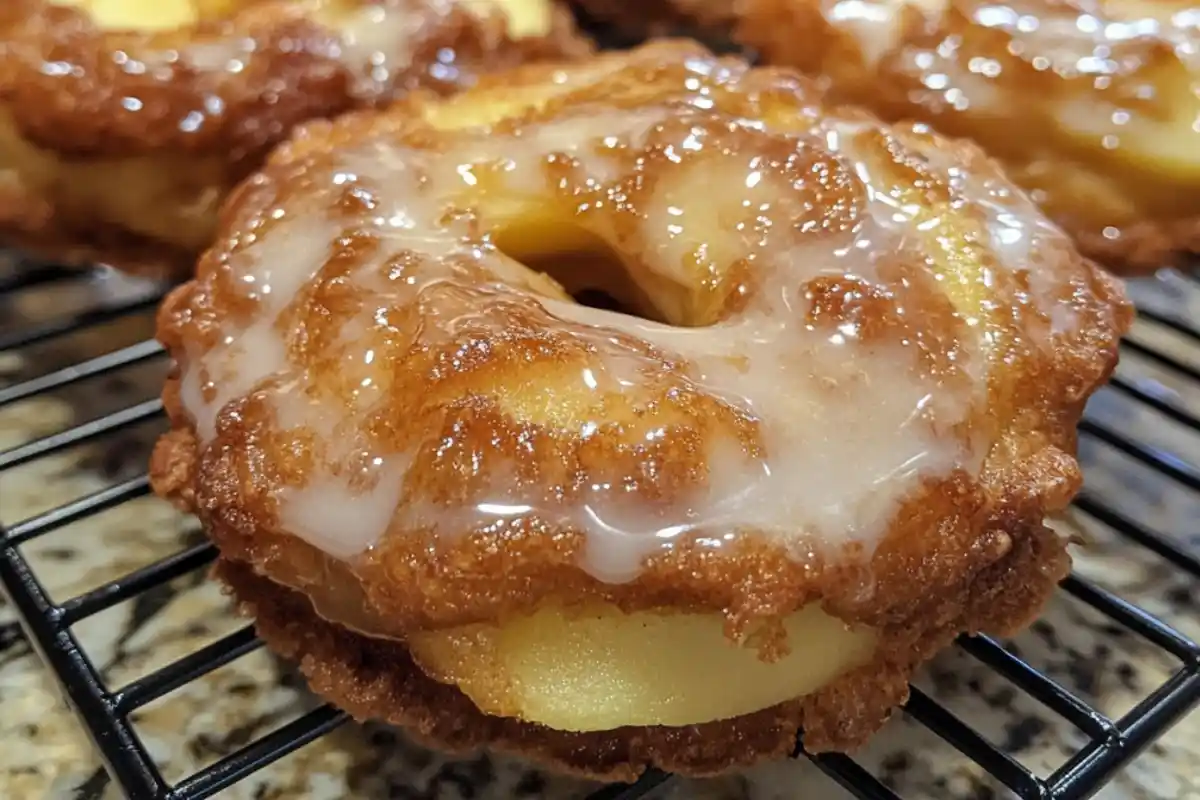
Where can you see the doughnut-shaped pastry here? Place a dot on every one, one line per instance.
(818, 441)
(1092, 105)
(124, 122)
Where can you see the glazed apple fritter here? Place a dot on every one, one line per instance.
(1092, 105)
(123, 123)
(819, 440)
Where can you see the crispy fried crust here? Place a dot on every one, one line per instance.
(961, 552)
(375, 679)
(95, 120)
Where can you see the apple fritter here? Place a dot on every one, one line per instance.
(815, 439)
(123, 123)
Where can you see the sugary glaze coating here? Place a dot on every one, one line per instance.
(1093, 105)
(844, 406)
(124, 122)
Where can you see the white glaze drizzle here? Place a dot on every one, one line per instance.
(851, 428)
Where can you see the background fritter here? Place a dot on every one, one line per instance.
(120, 136)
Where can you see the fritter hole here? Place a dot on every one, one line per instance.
(587, 268)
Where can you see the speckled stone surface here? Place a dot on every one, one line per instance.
(45, 754)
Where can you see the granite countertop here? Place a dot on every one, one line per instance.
(46, 754)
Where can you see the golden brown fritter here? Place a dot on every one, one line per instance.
(123, 124)
(1092, 105)
(833, 420)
